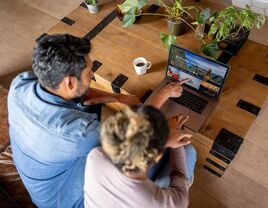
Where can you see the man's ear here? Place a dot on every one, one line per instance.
(70, 82)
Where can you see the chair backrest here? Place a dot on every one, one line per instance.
(4, 136)
(10, 182)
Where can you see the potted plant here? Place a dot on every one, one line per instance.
(229, 24)
(129, 11)
(176, 14)
(92, 6)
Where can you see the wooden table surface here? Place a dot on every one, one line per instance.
(116, 47)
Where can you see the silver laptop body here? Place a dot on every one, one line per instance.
(206, 81)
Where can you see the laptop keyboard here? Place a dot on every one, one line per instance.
(191, 101)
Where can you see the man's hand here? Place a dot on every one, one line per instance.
(129, 99)
(173, 89)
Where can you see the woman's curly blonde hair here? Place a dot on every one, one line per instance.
(133, 138)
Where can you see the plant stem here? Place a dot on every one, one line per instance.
(164, 15)
(191, 28)
(153, 14)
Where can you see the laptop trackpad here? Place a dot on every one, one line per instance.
(171, 108)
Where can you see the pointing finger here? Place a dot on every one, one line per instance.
(184, 81)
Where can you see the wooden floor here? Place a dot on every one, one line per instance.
(21, 22)
(244, 183)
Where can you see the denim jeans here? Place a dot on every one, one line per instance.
(160, 172)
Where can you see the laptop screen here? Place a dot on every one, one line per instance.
(206, 75)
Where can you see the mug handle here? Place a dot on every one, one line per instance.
(149, 64)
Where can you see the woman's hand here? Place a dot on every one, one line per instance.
(177, 136)
(177, 122)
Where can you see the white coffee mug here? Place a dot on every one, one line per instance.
(141, 65)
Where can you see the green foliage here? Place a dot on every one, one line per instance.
(249, 19)
(167, 39)
(229, 18)
(174, 13)
(132, 4)
(129, 18)
(202, 17)
(224, 23)
(91, 2)
(211, 49)
(177, 10)
(130, 9)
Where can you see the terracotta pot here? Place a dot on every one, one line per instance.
(176, 28)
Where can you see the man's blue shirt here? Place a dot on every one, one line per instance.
(50, 139)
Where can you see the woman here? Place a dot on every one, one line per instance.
(132, 141)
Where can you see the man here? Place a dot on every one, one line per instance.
(50, 132)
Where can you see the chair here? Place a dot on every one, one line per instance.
(12, 190)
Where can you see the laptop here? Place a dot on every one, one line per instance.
(201, 93)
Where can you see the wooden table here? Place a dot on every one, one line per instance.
(116, 47)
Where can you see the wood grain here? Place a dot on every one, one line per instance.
(244, 183)
(116, 47)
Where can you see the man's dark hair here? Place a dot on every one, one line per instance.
(58, 56)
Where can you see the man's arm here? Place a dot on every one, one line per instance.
(98, 97)
(174, 89)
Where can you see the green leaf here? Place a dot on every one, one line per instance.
(142, 3)
(195, 23)
(128, 5)
(167, 39)
(213, 29)
(178, 5)
(129, 18)
(210, 49)
(203, 16)
(219, 35)
(259, 21)
(91, 2)
(200, 20)
(211, 18)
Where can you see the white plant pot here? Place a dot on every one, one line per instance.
(93, 9)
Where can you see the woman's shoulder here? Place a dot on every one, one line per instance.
(97, 152)
(98, 158)
(98, 164)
